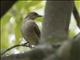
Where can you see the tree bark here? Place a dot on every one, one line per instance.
(56, 21)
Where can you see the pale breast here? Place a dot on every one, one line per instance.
(27, 30)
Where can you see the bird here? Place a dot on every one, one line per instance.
(30, 30)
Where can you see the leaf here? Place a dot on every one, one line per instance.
(4, 37)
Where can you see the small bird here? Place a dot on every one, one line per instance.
(30, 30)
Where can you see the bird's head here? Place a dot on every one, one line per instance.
(32, 15)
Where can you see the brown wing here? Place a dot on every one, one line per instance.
(36, 29)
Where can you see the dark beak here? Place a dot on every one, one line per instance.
(39, 16)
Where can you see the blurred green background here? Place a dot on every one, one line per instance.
(12, 20)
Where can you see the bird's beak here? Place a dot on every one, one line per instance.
(39, 16)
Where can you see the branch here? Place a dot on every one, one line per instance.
(76, 15)
(24, 44)
(38, 53)
(69, 50)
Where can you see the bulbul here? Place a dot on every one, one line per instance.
(30, 30)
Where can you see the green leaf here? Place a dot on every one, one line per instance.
(4, 37)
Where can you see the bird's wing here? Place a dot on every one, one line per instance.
(36, 29)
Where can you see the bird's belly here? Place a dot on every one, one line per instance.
(29, 34)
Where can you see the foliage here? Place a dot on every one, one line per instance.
(11, 22)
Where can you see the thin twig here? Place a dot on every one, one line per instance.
(24, 44)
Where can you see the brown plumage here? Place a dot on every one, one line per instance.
(30, 30)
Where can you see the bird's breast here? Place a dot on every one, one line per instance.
(28, 32)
